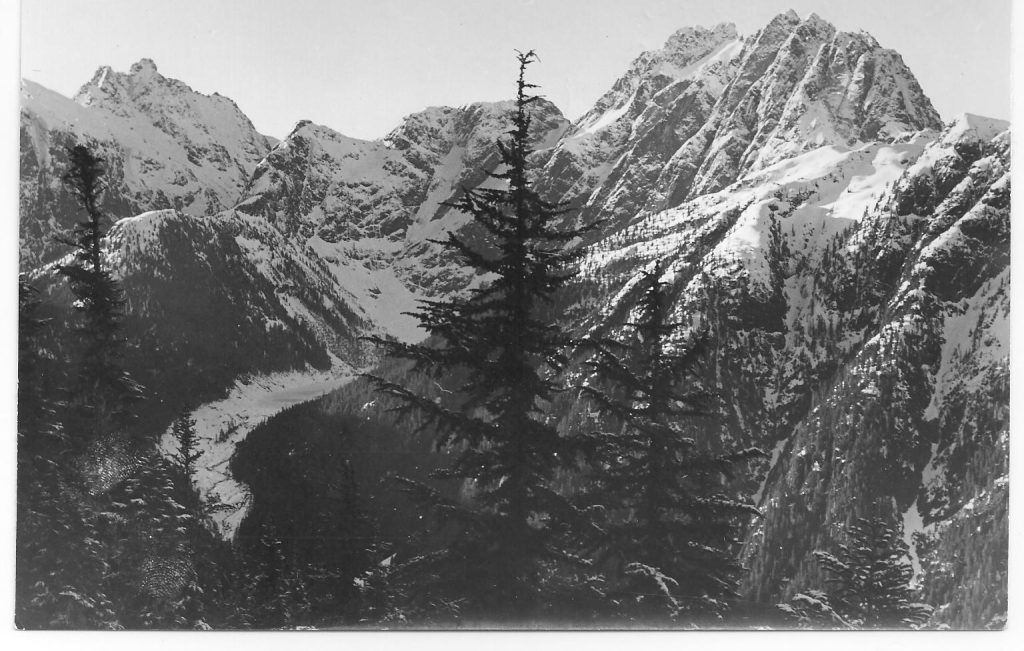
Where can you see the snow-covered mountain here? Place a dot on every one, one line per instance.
(848, 253)
(370, 209)
(857, 299)
(167, 146)
(326, 240)
(709, 107)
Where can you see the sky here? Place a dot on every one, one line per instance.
(360, 66)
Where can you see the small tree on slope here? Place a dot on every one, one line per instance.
(668, 527)
(503, 447)
(183, 431)
(869, 583)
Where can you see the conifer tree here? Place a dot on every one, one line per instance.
(505, 356)
(103, 391)
(208, 555)
(59, 563)
(151, 569)
(869, 581)
(35, 408)
(62, 559)
(667, 525)
(41, 441)
(183, 431)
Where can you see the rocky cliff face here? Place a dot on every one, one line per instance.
(709, 107)
(857, 299)
(374, 206)
(847, 253)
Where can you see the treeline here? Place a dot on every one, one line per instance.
(622, 521)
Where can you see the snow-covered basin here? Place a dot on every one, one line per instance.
(223, 424)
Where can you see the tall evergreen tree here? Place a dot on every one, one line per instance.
(67, 543)
(667, 524)
(103, 391)
(869, 583)
(506, 356)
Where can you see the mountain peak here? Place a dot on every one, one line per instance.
(686, 37)
(968, 126)
(818, 23)
(785, 20)
(110, 86)
(177, 147)
(163, 100)
(143, 69)
(106, 82)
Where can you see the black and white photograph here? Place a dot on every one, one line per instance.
(659, 315)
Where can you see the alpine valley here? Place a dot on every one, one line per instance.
(847, 251)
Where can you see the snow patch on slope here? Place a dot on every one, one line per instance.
(968, 126)
(980, 326)
(722, 54)
(367, 273)
(913, 523)
(596, 123)
(776, 455)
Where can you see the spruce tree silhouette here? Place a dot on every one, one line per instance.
(666, 525)
(507, 355)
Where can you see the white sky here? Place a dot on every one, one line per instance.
(360, 66)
